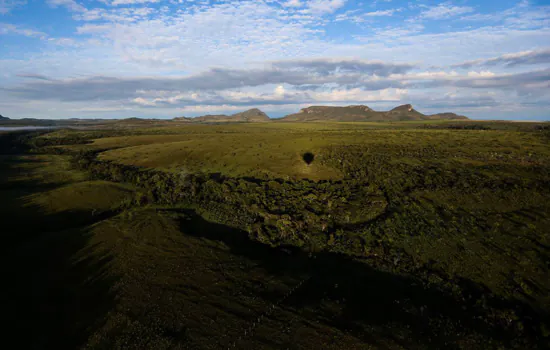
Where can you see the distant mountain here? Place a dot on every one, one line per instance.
(134, 121)
(252, 115)
(326, 113)
(29, 122)
(404, 112)
(364, 113)
(447, 115)
(356, 113)
(183, 119)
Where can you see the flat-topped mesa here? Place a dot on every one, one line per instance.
(314, 109)
(333, 113)
(357, 113)
(324, 109)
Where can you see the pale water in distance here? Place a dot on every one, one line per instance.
(19, 128)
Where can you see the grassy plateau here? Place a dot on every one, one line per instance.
(279, 235)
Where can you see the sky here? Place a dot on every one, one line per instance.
(165, 59)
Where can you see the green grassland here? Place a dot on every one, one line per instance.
(275, 150)
(398, 235)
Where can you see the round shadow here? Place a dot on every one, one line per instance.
(308, 157)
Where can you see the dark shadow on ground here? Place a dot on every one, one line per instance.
(51, 299)
(308, 158)
(376, 305)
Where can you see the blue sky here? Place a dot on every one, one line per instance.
(155, 58)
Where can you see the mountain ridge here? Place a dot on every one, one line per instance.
(356, 113)
(352, 113)
(251, 115)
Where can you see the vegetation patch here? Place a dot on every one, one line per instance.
(95, 196)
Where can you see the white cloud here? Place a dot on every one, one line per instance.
(115, 15)
(445, 10)
(512, 59)
(247, 98)
(356, 17)
(132, 2)
(280, 90)
(359, 95)
(381, 13)
(428, 75)
(6, 6)
(526, 17)
(482, 17)
(238, 33)
(6, 28)
(520, 16)
(143, 102)
(396, 32)
(226, 108)
(324, 6)
(293, 3)
(279, 85)
(69, 4)
(481, 74)
(67, 42)
(226, 33)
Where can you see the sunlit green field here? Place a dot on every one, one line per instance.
(275, 150)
